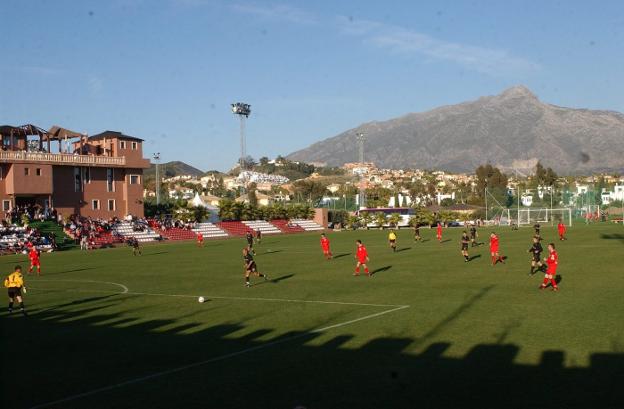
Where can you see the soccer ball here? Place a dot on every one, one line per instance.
(201, 299)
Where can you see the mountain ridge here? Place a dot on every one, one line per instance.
(499, 129)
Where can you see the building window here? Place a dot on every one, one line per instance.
(26, 171)
(122, 144)
(135, 179)
(6, 205)
(95, 204)
(134, 146)
(110, 179)
(1, 172)
(77, 180)
(111, 205)
(86, 175)
(38, 171)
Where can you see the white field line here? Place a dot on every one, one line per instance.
(126, 291)
(212, 360)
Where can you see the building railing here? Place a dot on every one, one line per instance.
(62, 158)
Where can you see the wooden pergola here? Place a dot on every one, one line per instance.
(17, 136)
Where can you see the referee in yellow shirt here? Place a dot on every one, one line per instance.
(15, 284)
(392, 238)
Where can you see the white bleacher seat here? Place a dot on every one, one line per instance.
(126, 231)
(209, 230)
(264, 226)
(307, 225)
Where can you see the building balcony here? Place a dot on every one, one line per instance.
(61, 159)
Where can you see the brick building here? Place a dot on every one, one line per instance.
(99, 176)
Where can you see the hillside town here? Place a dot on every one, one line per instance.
(340, 188)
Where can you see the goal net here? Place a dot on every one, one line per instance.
(528, 217)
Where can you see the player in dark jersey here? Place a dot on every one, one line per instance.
(473, 236)
(536, 254)
(250, 267)
(258, 236)
(464, 246)
(537, 227)
(250, 242)
(417, 233)
(136, 246)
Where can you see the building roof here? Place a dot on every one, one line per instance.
(114, 134)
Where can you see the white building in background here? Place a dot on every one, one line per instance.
(248, 176)
(441, 196)
(403, 199)
(527, 200)
(617, 194)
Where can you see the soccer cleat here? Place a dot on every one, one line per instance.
(554, 289)
(356, 274)
(266, 277)
(247, 284)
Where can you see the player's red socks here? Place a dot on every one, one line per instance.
(493, 260)
(357, 271)
(366, 271)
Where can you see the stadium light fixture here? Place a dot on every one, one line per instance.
(243, 111)
(156, 157)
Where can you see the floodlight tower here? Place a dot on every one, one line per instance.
(243, 111)
(156, 157)
(361, 138)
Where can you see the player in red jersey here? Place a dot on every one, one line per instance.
(552, 261)
(494, 242)
(200, 240)
(34, 261)
(325, 246)
(562, 230)
(361, 256)
(439, 233)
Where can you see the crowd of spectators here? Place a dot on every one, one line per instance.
(17, 239)
(168, 222)
(26, 213)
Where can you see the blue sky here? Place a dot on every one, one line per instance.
(166, 71)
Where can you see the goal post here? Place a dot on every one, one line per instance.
(528, 217)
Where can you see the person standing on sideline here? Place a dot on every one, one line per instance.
(15, 286)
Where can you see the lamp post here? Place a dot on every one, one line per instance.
(243, 111)
(361, 138)
(156, 157)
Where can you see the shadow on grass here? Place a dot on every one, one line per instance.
(403, 249)
(614, 236)
(342, 255)
(380, 270)
(156, 253)
(474, 257)
(269, 252)
(445, 241)
(119, 360)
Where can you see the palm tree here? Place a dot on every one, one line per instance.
(380, 220)
(351, 221)
(366, 218)
(394, 219)
(446, 216)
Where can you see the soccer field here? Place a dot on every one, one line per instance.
(109, 330)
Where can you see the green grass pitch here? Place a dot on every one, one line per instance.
(109, 330)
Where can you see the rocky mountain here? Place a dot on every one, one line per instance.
(174, 168)
(512, 129)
